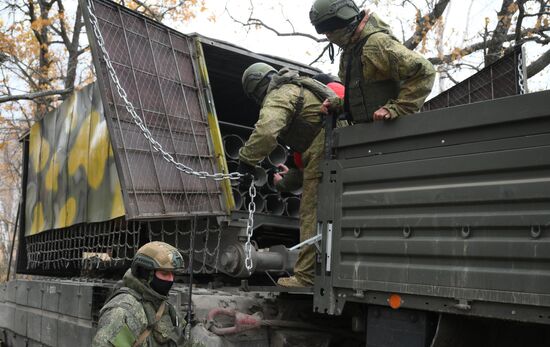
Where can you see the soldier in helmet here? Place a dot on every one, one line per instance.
(290, 179)
(383, 78)
(138, 313)
(289, 112)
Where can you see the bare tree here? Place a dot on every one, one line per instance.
(44, 56)
(509, 30)
(425, 22)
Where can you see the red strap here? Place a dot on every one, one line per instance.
(298, 160)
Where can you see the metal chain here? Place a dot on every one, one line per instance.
(521, 77)
(158, 147)
(250, 227)
(137, 119)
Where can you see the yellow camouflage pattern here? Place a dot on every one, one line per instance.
(72, 177)
(384, 58)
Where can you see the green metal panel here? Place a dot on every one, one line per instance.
(449, 204)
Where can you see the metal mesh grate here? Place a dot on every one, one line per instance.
(98, 246)
(503, 78)
(95, 248)
(204, 233)
(155, 67)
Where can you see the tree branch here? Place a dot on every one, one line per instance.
(458, 53)
(521, 7)
(320, 55)
(259, 22)
(3, 58)
(62, 31)
(251, 22)
(171, 8)
(538, 65)
(72, 48)
(425, 23)
(537, 14)
(449, 76)
(36, 95)
(494, 49)
(148, 10)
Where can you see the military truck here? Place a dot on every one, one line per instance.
(432, 230)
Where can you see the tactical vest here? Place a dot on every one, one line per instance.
(363, 97)
(299, 133)
(165, 331)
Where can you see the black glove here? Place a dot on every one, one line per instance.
(248, 175)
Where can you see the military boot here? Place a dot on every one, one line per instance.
(294, 282)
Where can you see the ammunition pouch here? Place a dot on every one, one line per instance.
(367, 97)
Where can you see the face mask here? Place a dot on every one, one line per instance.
(340, 37)
(161, 286)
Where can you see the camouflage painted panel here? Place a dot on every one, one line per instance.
(72, 174)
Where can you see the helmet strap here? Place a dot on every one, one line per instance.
(358, 28)
(331, 52)
(356, 21)
(261, 89)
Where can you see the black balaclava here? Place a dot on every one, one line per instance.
(160, 286)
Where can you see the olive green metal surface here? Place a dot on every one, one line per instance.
(451, 204)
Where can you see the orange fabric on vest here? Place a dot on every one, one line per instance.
(340, 90)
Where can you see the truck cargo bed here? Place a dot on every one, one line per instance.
(448, 209)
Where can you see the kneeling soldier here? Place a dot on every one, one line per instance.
(138, 313)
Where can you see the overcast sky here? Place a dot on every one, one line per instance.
(288, 15)
(280, 13)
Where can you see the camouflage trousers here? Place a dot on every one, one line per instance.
(305, 264)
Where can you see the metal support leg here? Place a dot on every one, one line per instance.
(307, 242)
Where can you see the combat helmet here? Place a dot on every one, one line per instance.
(156, 255)
(256, 79)
(329, 15)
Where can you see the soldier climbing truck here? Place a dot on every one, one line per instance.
(433, 229)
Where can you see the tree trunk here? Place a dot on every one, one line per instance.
(424, 23)
(73, 49)
(538, 65)
(494, 47)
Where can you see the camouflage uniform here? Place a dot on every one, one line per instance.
(277, 110)
(125, 317)
(385, 58)
(292, 180)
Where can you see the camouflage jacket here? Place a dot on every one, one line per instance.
(276, 112)
(124, 317)
(385, 58)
